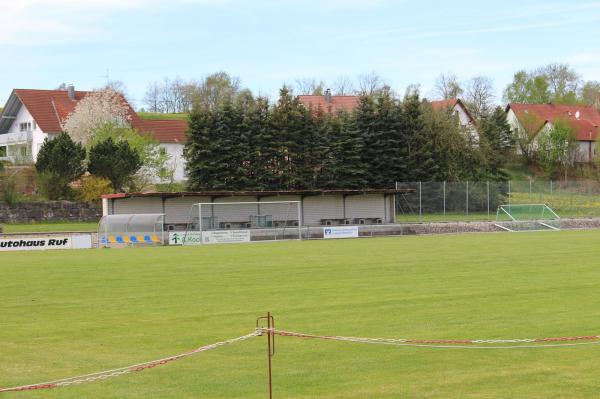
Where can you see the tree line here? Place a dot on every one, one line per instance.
(247, 143)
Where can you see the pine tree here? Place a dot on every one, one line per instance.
(420, 164)
(331, 127)
(59, 162)
(201, 150)
(291, 122)
(117, 162)
(497, 140)
(264, 147)
(351, 169)
(387, 152)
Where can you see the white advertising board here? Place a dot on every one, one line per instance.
(33, 243)
(190, 238)
(225, 236)
(340, 232)
(81, 241)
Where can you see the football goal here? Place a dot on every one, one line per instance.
(527, 217)
(235, 222)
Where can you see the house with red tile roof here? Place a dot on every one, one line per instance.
(457, 107)
(331, 103)
(31, 116)
(539, 118)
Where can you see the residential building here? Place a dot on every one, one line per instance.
(539, 118)
(458, 108)
(31, 116)
(331, 103)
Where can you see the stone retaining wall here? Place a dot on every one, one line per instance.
(47, 211)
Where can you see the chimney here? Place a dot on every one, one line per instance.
(71, 91)
(328, 96)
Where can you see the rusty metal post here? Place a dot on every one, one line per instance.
(270, 353)
(270, 347)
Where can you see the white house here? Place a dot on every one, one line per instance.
(31, 116)
(539, 118)
(458, 108)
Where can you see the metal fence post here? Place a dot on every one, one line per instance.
(509, 192)
(420, 206)
(467, 198)
(488, 200)
(530, 190)
(444, 189)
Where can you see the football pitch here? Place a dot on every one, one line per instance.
(66, 313)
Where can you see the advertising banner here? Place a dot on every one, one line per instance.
(340, 232)
(35, 243)
(225, 236)
(183, 238)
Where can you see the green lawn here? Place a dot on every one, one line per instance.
(66, 313)
(49, 227)
(160, 116)
(448, 217)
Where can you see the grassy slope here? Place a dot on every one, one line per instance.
(73, 312)
(157, 115)
(49, 227)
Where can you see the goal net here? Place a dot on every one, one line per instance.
(234, 222)
(527, 217)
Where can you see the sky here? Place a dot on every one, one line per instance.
(267, 43)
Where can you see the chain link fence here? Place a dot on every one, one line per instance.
(472, 201)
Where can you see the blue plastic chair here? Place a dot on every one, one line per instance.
(148, 239)
(120, 240)
(134, 240)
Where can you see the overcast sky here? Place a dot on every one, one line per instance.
(268, 42)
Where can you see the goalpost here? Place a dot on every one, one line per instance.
(234, 222)
(527, 217)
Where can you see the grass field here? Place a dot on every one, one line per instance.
(49, 227)
(66, 313)
(161, 116)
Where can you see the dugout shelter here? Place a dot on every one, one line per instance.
(316, 207)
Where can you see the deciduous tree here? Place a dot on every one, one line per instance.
(94, 111)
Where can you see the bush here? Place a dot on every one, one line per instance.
(116, 161)
(8, 191)
(59, 162)
(53, 186)
(92, 187)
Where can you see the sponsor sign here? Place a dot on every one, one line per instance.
(225, 236)
(32, 243)
(183, 238)
(340, 232)
(81, 241)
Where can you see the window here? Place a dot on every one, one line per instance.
(2, 152)
(34, 125)
(25, 127)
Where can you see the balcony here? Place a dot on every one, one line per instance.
(15, 138)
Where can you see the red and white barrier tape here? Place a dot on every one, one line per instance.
(102, 375)
(453, 343)
(428, 343)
